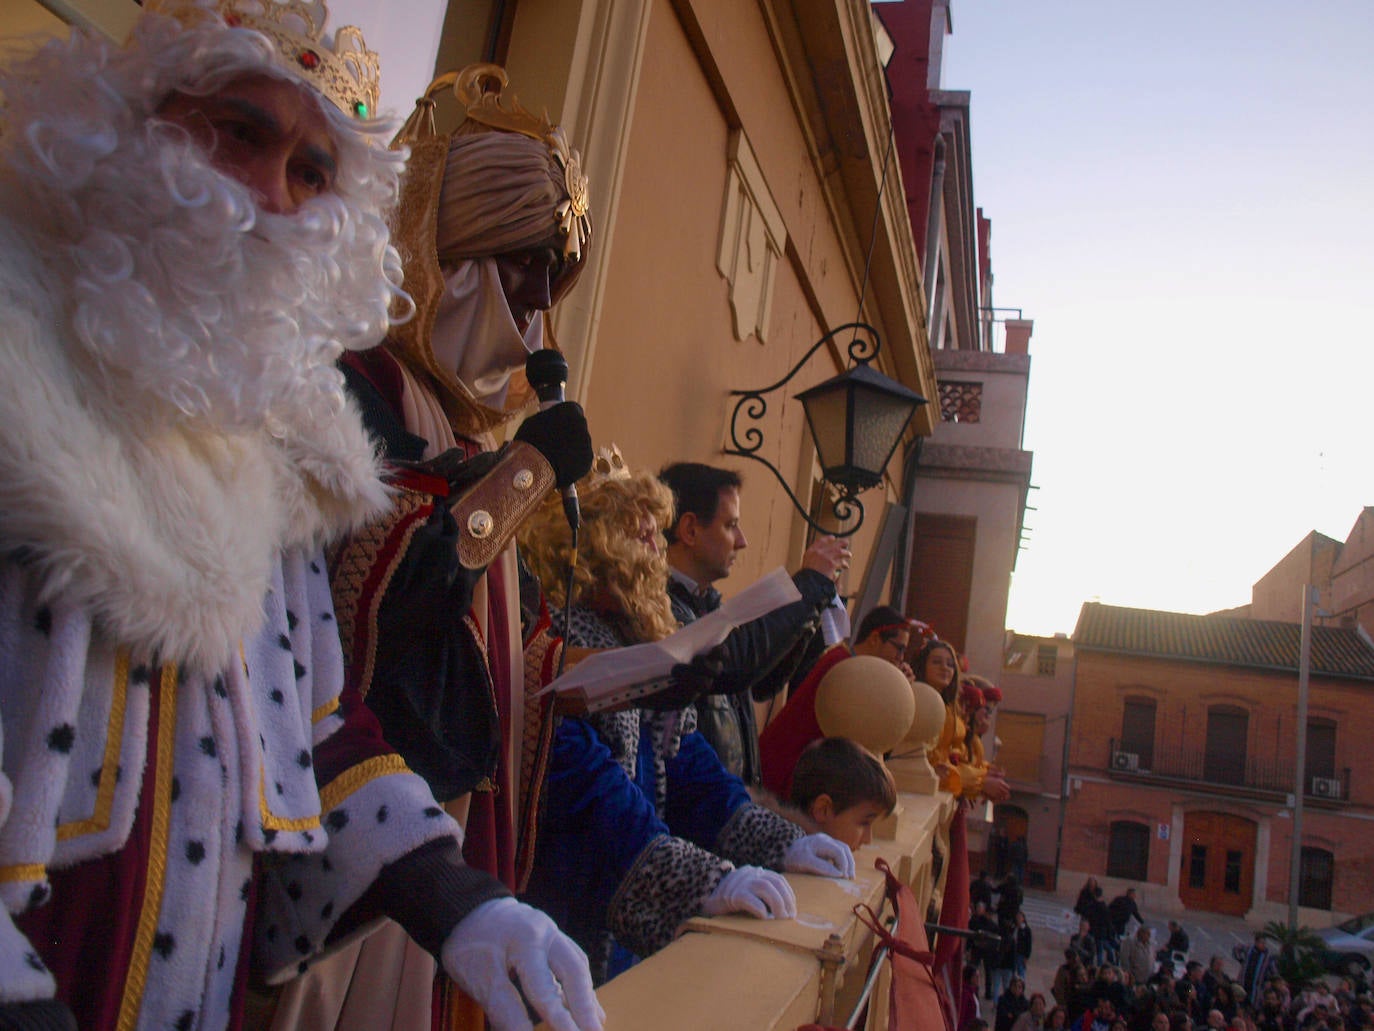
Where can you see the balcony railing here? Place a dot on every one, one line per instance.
(1246, 773)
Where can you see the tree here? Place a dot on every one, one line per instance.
(1300, 952)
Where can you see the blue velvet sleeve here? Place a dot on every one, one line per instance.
(702, 794)
(588, 793)
(595, 823)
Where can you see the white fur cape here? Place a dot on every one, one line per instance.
(192, 549)
(166, 533)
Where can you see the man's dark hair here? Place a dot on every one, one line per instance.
(881, 616)
(696, 488)
(844, 770)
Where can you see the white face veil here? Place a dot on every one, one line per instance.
(475, 333)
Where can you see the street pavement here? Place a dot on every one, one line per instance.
(1053, 922)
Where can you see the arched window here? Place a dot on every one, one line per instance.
(1314, 878)
(1128, 850)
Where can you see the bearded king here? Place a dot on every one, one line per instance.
(191, 234)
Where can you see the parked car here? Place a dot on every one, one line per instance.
(1349, 945)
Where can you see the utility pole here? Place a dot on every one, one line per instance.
(1309, 606)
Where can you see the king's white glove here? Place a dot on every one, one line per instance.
(819, 854)
(753, 890)
(504, 941)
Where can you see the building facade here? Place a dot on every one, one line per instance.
(1181, 764)
(973, 476)
(744, 208)
(1029, 739)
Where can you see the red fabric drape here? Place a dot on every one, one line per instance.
(949, 950)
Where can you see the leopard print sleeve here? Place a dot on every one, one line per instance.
(667, 884)
(755, 836)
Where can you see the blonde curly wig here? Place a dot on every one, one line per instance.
(616, 574)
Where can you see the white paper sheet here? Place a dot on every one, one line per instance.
(612, 676)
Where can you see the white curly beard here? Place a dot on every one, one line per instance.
(186, 292)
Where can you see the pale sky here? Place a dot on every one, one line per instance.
(1182, 199)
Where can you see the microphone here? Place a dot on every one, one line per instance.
(547, 373)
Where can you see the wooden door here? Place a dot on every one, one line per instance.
(1010, 826)
(1218, 873)
(940, 579)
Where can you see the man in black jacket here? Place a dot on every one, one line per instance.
(1122, 909)
(760, 655)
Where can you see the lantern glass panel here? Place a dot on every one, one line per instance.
(827, 413)
(879, 419)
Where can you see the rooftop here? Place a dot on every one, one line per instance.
(1222, 640)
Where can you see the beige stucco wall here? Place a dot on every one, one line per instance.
(1005, 380)
(1050, 696)
(665, 356)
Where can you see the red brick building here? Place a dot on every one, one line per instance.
(1182, 763)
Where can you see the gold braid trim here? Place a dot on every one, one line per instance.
(137, 977)
(324, 710)
(486, 784)
(271, 821)
(359, 776)
(99, 820)
(541, 659)
(23, 872)
(352, 570)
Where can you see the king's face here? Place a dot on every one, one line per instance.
(269, 134)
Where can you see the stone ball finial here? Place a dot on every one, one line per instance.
(910, 766)
(867, 699)
(929, 718)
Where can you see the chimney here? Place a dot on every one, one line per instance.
(1018, 335)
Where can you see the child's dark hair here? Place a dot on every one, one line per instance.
(846, 771)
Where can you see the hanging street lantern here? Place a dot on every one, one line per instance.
(856, 420)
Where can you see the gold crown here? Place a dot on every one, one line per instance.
(347, 73)
(609, 464)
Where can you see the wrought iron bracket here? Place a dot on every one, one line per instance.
(753, 406)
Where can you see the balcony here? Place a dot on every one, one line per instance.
(1224, 774)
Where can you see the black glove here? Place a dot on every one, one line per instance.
(688, 681)
(39, 1015)
(560, 435)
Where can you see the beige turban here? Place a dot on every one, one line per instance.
(501, 193)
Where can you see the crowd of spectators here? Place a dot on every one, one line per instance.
(1125, 983)
(998, 957)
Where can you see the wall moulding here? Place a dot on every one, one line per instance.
(752, 239)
